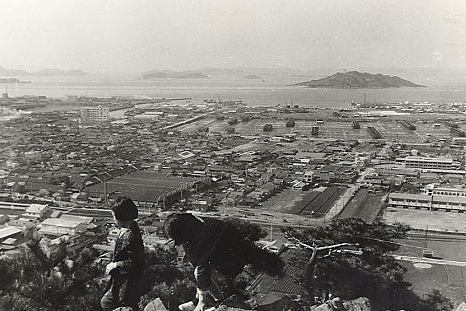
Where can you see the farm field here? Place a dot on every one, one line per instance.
(364, 205)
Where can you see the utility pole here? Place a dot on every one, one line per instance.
(271, 232)
(105, 192)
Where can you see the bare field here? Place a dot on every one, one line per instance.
(423, 219)
(141, 185)
(449, 280)
(391, 130)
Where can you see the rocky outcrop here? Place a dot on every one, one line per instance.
(155, 305)
(359, 304)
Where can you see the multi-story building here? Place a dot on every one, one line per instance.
(426, 201)
(444, 190)
(94, 114)
(429, 163)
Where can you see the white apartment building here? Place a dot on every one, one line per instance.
(429, 163)
(94, 114)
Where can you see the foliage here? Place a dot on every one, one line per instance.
(437, 301)
(41, 281)
(251, 231)
(172, 283)
(374, 274)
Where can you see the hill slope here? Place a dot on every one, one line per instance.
(355, 79)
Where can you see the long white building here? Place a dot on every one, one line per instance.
(457, 191)
(429, 163)
(427, 201)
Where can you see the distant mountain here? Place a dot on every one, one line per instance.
(358, 80)
(12, 80)
(43, 72)
(59, 72)
(167, 74)
(12, 72)
(256, 77)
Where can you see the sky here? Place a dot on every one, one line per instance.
(140, 35)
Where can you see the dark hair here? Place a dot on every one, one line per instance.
(124, 209)
(180, 227)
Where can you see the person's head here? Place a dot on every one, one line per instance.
(180, 227)
(124, 211)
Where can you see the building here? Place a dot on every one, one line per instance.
(65, 225)
(425, 201)
(37, 211)
(308, 176)
(429, 163)
(10, 233)
(13, 209)
(443, 190)
(94, 114)
(10, 238)
(276, 293)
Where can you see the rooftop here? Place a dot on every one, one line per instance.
(8, 231)
(66, 222)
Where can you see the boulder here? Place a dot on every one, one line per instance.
(155, 305)
(335, 304)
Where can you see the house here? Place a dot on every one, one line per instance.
(269, 290)
(69, 225)
(37, 211)
(10, 237)
(9, 232)
(297, 185)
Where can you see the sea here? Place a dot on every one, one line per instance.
(252, 92)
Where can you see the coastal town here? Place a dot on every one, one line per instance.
(233, 155)
(277, 166)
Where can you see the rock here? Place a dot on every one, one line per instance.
(461, 307)
(335, 304)
(155, 305)
(359, 304)
(225, 308)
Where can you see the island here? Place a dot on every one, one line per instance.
(12, 80)
(358, 80)
(43, 72)
(59, 72)
(254, 77)
(173, 75)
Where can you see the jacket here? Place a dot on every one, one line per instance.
(126, 279)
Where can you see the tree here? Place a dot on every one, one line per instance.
(372, 273)
(251, 231)
(39, 280)
(437, 301)
(172, 283)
